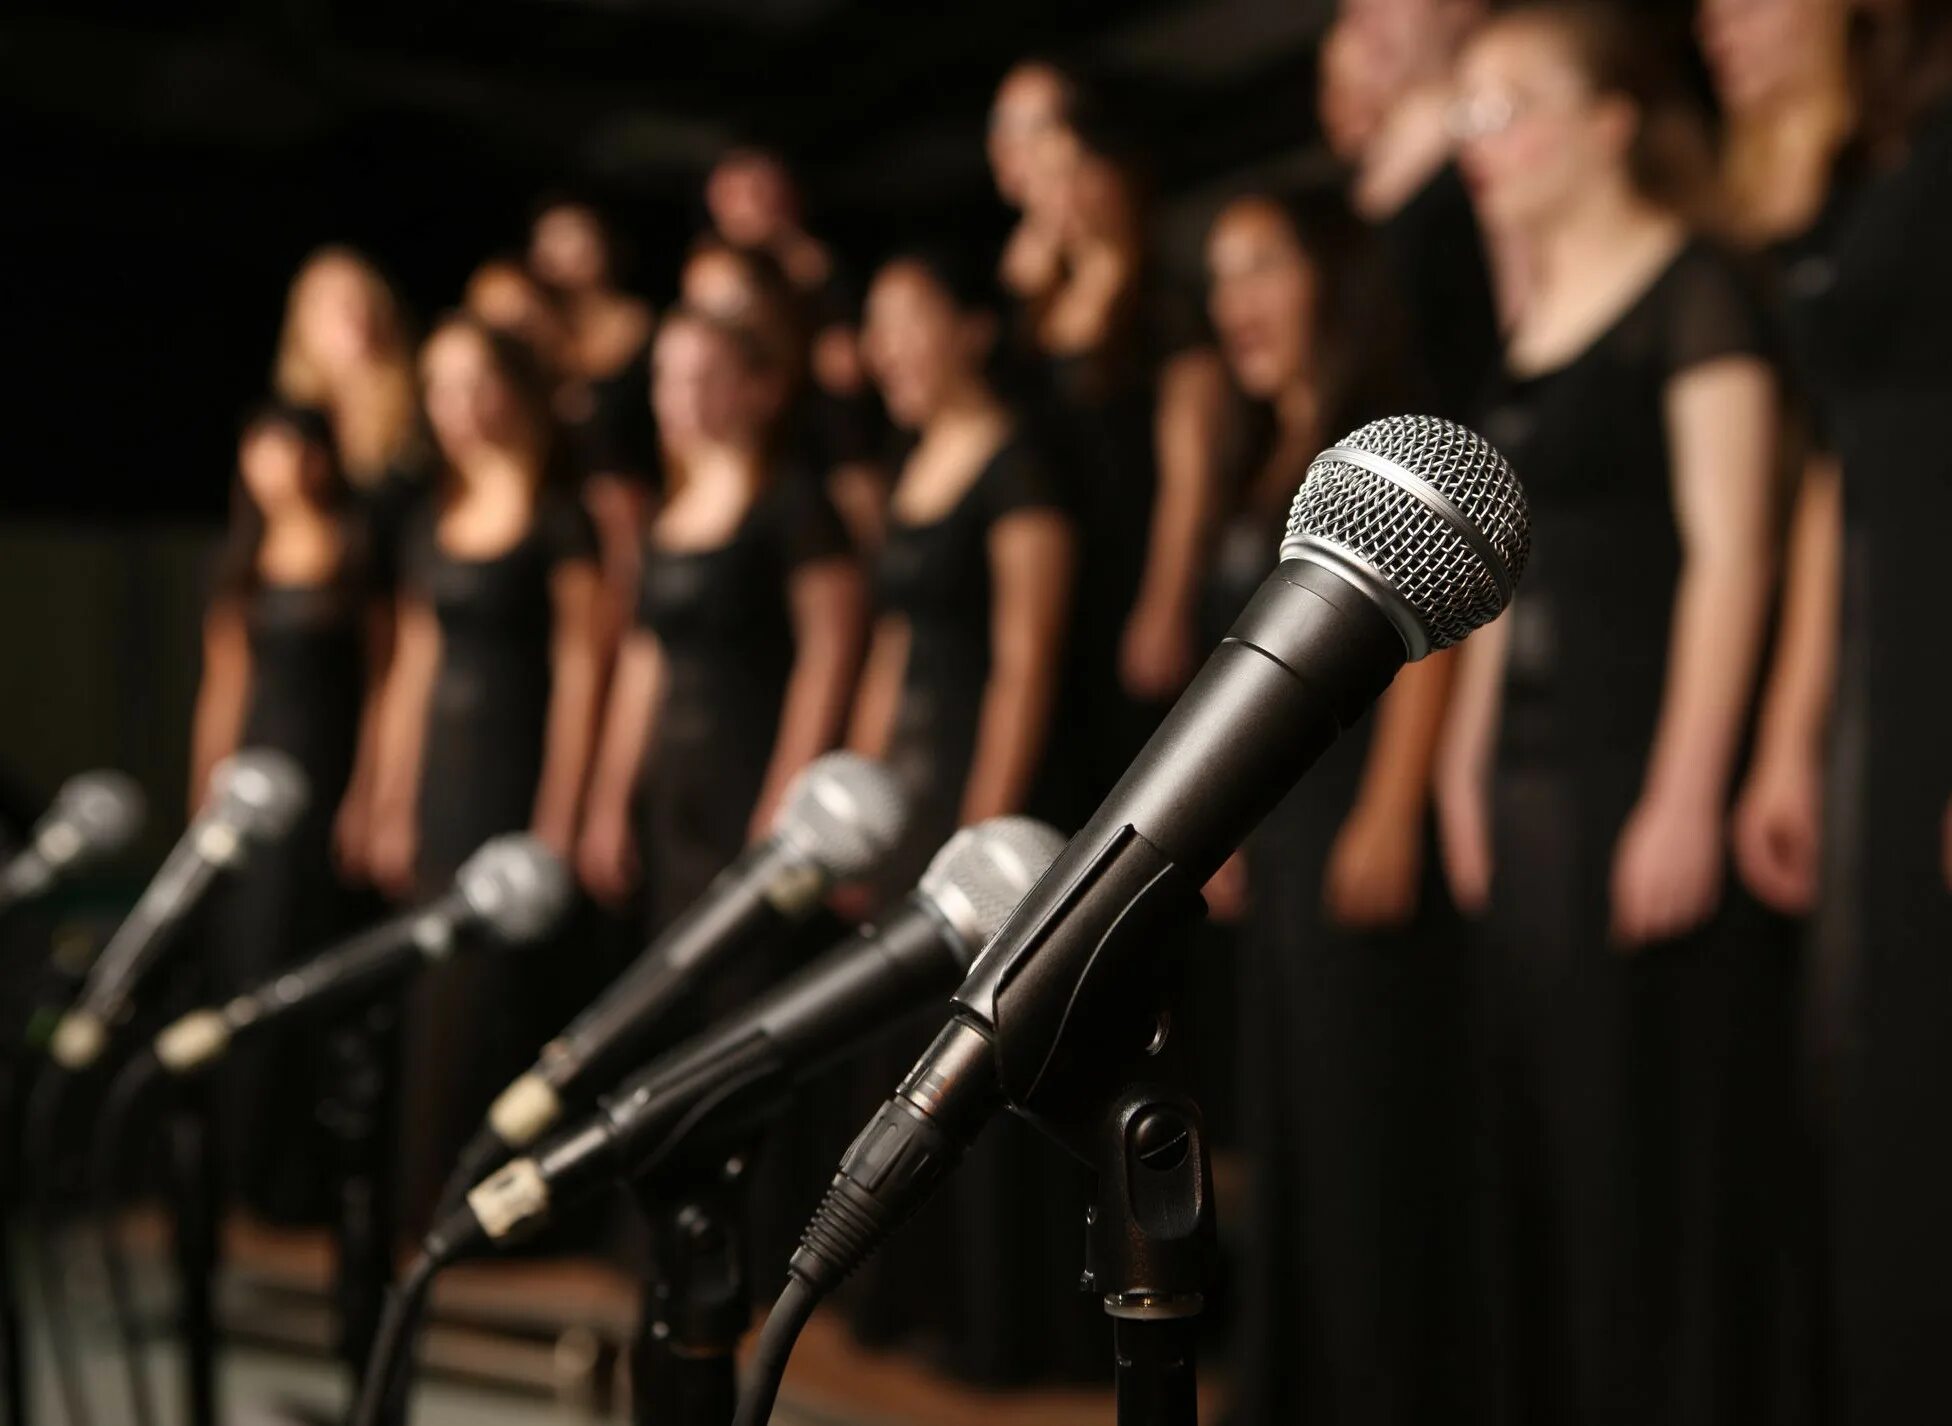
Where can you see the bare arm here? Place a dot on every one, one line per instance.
(829, 603)
(222, 696)
(1158, 654)
(617, 507)
(352, 827)
(1778, 823)
(606, 856)
(574, 678)
(1462, 779)
(1722, 422)
(402, 733)
(1031, 554)
(875, 706)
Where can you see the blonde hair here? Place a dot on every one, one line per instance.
(385, 434)
(1747, 162)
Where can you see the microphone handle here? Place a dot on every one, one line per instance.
(368, 962)
(158, 916)
(729, 1079)
(758, 896)
(1305, 659)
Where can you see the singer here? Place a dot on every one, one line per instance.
(1638, 1034)
(291, 641)
(487, 720)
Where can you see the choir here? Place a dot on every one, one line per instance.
(1589, 1038)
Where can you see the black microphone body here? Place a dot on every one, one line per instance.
(348, 974)
(839, 819)
(723, 1083)
(1307, 657)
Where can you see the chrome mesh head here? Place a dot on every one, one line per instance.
(846, 812)
(99, 813)
(1424, 514)
(259, 793)
(982, 872)
(517, 886)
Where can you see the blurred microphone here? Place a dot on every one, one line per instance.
(1402, 539)
(255, 797)
(93, 817)
(840, 819)
(513, 888)
(730, 1077)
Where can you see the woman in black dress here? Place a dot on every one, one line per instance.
(1352, 1044)
(346, 349)
(287, 642)
(972, 588)
(1638, 1003)
(1129, 401)
(747, 643)
(1859, 679)
(489, 718)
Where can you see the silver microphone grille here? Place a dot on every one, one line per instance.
(517, 886)
(103, 811)
(982, 872)
(844, 811)
(259, 792)
(1423, 514)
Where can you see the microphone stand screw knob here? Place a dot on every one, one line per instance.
(1160, 1140)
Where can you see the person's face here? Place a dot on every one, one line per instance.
(469, 403)
(751, 201)
(1261, 295)
(698, 386)
(716, 282)
(1051, 163)
(336, 321)
(1351, 98)
(1029, 102)
(1533, 133)
(1408, 40)
(567, 249)
(1762, 50)
(918, 345)
(278, 467)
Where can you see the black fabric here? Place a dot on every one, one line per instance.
(722, 620)
(1435, 249)
(1883, 369)
(985, 1276)
(307, 682)
(1352, 1057)
(609, 427)
(1637, 1105)
(475, 1022)
(385, 511)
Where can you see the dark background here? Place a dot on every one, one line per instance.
(170, 165)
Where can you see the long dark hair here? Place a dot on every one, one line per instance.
(521, 371)
(1360, 340)
(1904, 70)
(237, 564)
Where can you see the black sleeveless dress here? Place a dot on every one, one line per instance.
(307, 682)
(1354, 1064)
(1883, 376)
(475, 1022)
(722, 620)
(985, 1277)
(1435, 250)
(1639, 1104)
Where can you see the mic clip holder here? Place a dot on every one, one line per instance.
(697, 1300)
(1099, 1074)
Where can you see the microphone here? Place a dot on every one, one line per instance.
(1403, 538)
(255, 797)
(513, 888)
(94, 816)
(733, 1076)
(840, 818)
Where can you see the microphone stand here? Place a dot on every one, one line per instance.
(195, 1191)
(697, 1301)
(359, 1114)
